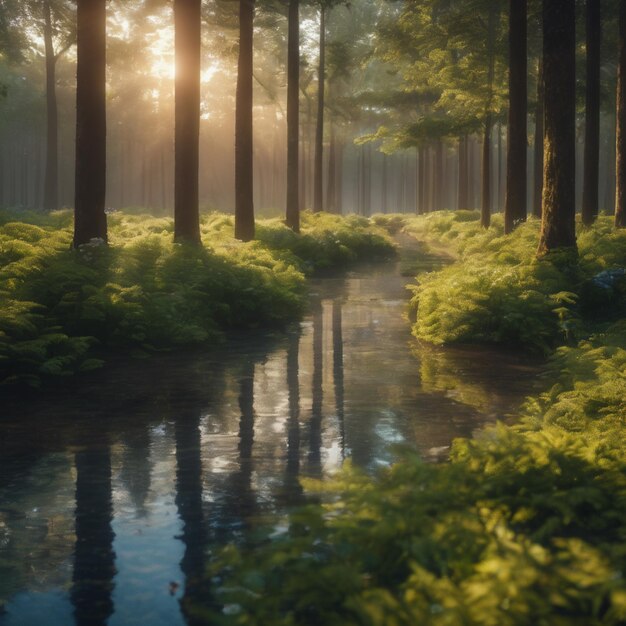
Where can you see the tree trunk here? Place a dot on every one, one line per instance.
(51, 176)
(187, 16)
(463, 202)
(591, 174)
(90, 184)
(332, 165)
(244, 205)
(485, 213)
(515, 203)
(318, 192)
(293, 117)
(620, 144)
(559, 66)
(421, 203)
(383, 186)
(538, 147)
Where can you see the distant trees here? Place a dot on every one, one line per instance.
(187, 22)
(559, 70)
(244, 202)
(318, 176)
(90, 182)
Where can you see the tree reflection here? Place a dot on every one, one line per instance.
(94, 559)
(292, 487)
(136, 466)
(317, 392)
(338, 372)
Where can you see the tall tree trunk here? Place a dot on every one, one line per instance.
(339, 149)
(90, 184)
(591, 173)
(187, 19)
(515, 203)
(293, 117)
(538, 147)
(463, 202)
(51, 176)
(620, 144)
(559, 66)
(485, 213)
(421, 165)
(438, 176)
(383, 186)
(244, 204)
(332, 167)
(318, 190)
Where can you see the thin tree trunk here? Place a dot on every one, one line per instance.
(90, 183)
(591, 171)
(515, 203)
(421, 165)
(318, 191)
(339, 149)
(485, 213)
(383, 186)
(538, 147)
(51, 176)
(187, 19)
(293, 117)
(332, 165)
(244, 204)
(620, 144)
(559, 65)
(463, 202)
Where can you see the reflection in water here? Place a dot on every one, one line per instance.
(338, 373)
(317, 392)
(199, 447)
(292, 484)
(189, 503)
(94, 559)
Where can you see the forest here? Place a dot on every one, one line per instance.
(313, 312)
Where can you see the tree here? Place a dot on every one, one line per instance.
(293, 116)
(559, 71)
(620, 195)
(244, 202)
(187, 121)
(90, 186)
(515, 205)
(318, 176)
(52, 15)
(592, 113)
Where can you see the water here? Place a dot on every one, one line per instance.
(112, 491)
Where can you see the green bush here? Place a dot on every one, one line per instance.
(499, 292)
(62, 310)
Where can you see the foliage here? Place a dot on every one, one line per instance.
(62, 310)
(499, 292)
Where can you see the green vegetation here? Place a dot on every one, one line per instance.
(61, 311)
(525, 524)
(499, 292)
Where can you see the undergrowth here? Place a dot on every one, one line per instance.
(499, 292)
(62, 310)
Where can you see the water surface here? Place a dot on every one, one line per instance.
(112, 491)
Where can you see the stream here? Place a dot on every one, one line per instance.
(113, 489)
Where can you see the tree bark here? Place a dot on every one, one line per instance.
(515, 203)
(421, 175)
(187, 18)
(318, 187)
(332, 167)
(559, 65)
(620, 144)
(90, 184)
(244, 203)
(293, 117)
(463, 173)
(51, 176)
(538, 147)
(485, 213)
(591, 174)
